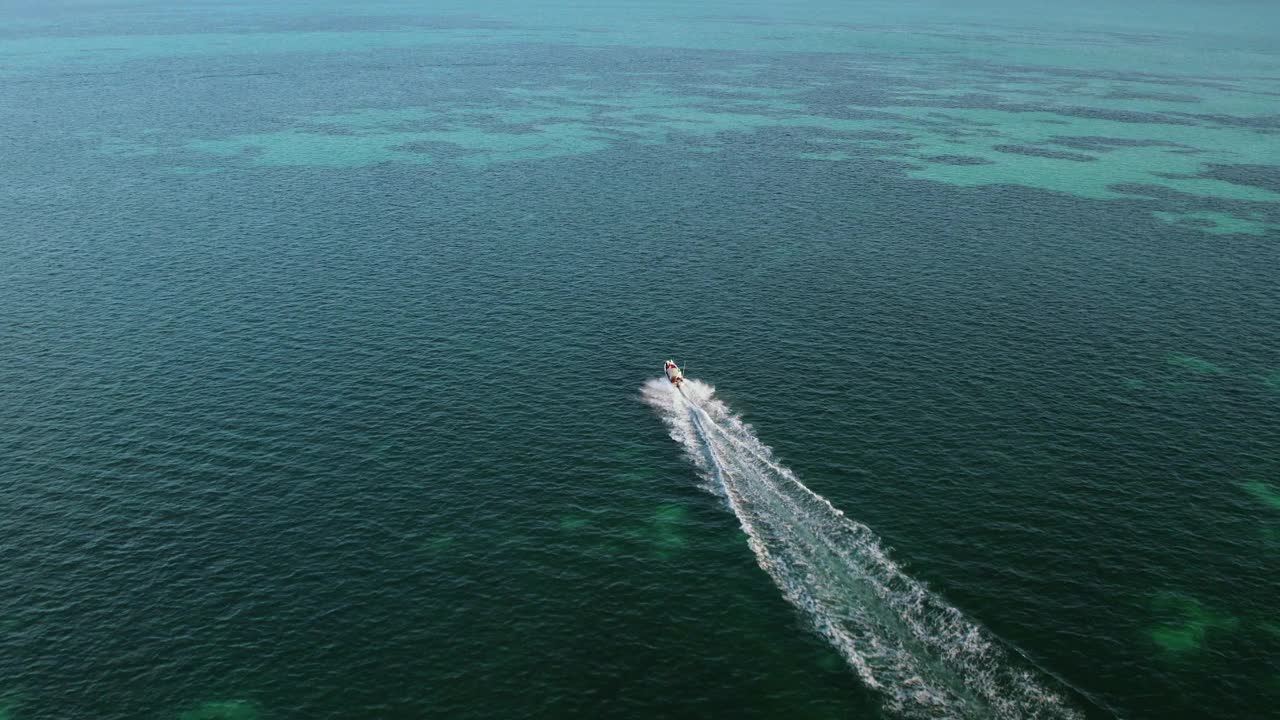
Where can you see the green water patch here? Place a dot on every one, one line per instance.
(10, 625)
(1194, 364)
(626, 455)
(633, 535)
(573, 523)
(222, 710)
(1269, 534)
(1263, 493)
(9, 706)
(438, 545)
(1272, 381)
(831, 663)
(1185, 624)
(1188, 373)
(666, 529)
(609, 549)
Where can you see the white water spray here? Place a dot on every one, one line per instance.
(921, 654)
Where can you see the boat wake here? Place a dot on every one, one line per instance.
(919, 653)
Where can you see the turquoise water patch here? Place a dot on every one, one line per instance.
(372, 136)
(957, 145)
(222, 710)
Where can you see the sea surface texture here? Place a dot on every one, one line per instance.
(331, 338)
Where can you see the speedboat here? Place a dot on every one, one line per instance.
(673, 373)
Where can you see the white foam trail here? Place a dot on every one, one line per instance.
(920, 653)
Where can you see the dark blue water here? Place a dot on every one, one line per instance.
(325, 333)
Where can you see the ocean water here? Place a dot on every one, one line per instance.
(330, 337)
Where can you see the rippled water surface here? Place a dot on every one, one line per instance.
(329, 334)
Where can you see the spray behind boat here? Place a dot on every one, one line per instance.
(920, 655)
